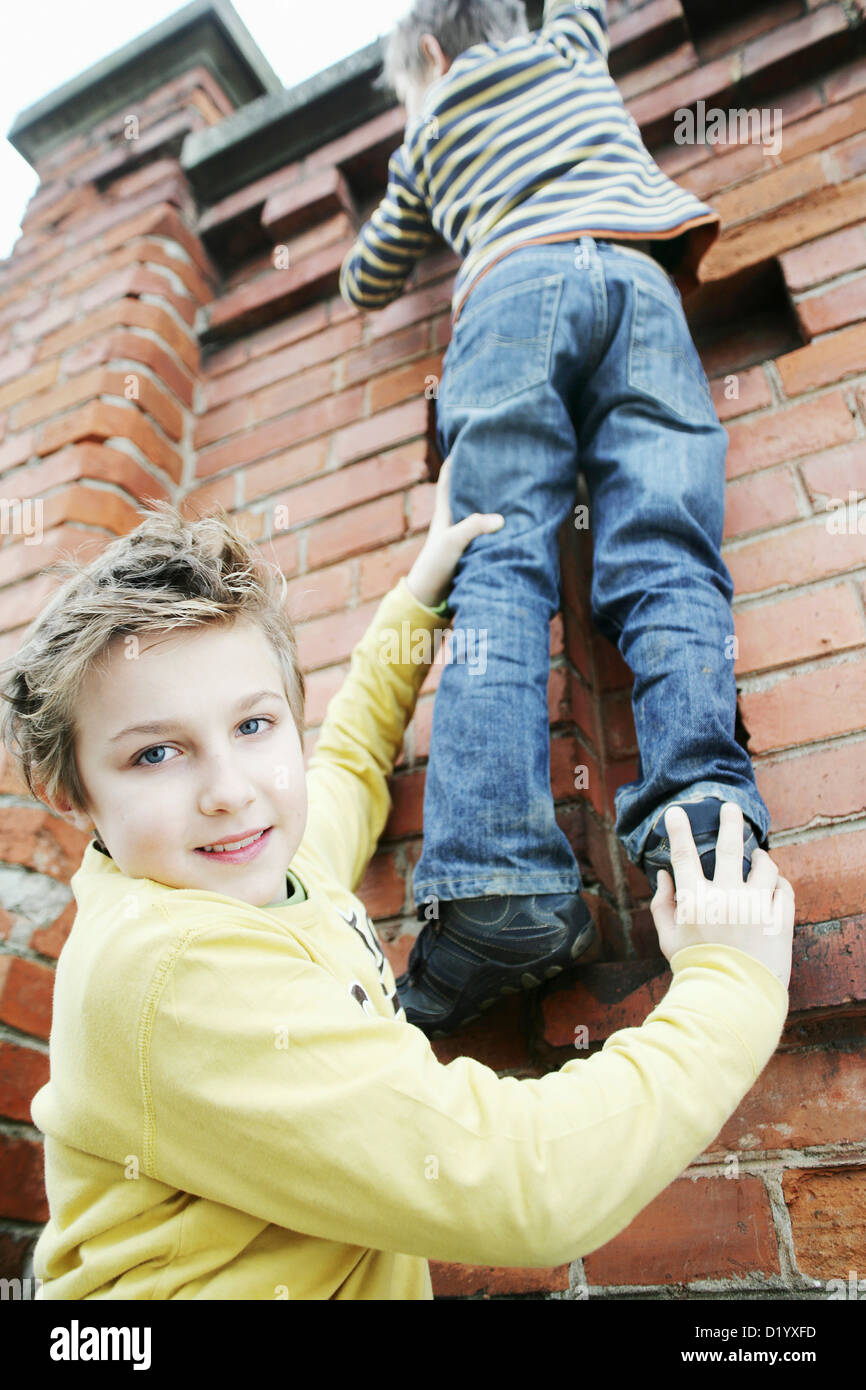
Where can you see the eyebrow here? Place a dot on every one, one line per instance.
(166, 726)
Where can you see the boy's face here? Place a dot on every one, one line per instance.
(221, 767)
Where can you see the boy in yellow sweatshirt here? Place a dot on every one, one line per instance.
(237, 1106)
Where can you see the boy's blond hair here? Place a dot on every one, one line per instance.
(169, 573)
(455, 24)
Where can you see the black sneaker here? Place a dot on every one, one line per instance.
(483, 948)
(704, 817)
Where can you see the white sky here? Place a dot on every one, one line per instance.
(46, 42)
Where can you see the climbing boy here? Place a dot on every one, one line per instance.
(569, 350)
(237, 1107)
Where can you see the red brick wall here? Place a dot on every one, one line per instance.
(308, 410)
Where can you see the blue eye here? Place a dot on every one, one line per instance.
(156, 748)
(256, 719)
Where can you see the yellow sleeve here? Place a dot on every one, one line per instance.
(270, 1090)
(362, 733)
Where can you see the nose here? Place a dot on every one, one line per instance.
(225, 785)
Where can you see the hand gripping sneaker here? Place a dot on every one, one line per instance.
(482, 948)
(704, 817)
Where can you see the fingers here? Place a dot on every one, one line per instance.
(729, 846)
(662, 905)
(764, 872)
(478, 524)
(685, 860)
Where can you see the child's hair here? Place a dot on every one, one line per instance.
(455, 24)
(169, 572)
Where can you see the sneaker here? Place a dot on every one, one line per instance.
(483, 948)
(704, 817)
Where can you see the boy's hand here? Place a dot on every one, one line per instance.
(430, 577)
(756, 916)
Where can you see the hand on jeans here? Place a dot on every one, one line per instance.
(756, 917)
(430, 577)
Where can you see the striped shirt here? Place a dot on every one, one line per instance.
(521, 141)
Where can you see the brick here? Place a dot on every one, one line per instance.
(325, 641)
(828, 360)
(416, 378)
(348, 487)
(262, 479)
(22, 1179)
(824, 312)
(829, 966)
(827, 1209)
(321, 687)
(806, 706)
(801, 1099)
(149, 399)
(759, 501)
(98, 420)
(321, 592)
(707, 82)
(312, 350)
(698, 1228)
(381, 431)
(788, 434)
(788, 42)
(364, 528)
(41, 841)
(13, 365)
(308, 200)
(795, 629)
(50, 940)
(774, 189)
(831, 476)
(26, 989)
(23, 1071)
(17, 449)
(407, 805)
(796, 557)
(276, 292)
(410, 308)
(142, 252)
(302, 389)
(752, 393)
(378, 572)
(289, 330)
(827, 210)
(86, 460)
(474, 1281)
(815, 787)
(382, 890)
(40, 325)
(294, 428)
(422, 503)
(824, 259)
(129, 313)
(827, 874)
(136, 348)
(28, 386)
(366, 362)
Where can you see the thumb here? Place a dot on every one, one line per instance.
(478, 524)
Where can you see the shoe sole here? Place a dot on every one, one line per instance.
(528, 980)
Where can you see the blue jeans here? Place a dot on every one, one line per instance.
(575, 355)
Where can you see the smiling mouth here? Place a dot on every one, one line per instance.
(233, 847)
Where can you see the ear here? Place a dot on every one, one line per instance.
(65, 810)
(432, 52)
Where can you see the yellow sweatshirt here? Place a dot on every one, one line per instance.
(238, 1108)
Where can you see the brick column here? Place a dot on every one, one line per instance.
(99, 362)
